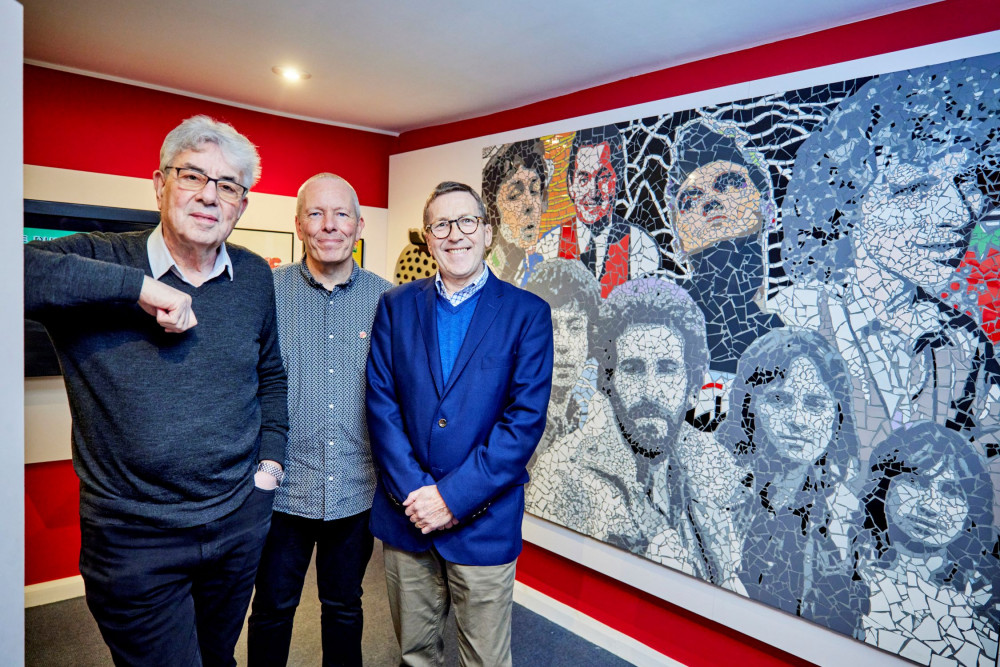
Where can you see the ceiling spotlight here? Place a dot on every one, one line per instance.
(290, 73)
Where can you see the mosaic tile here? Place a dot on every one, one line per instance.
(775, 322)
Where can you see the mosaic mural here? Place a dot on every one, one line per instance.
(775, 322)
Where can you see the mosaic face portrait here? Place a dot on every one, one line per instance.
(595, 164)
(790, 417)
(569, 331)
(797, 415)
(594, 183)
(521, 202)
(654, 338)
(780, 375)
(719, 194)
(914, 222)
(716, 202)
(649, 384)
(719, 186)
(790, 404)
(929, 509)
(929, 551)
(573, 295)
(927, 487)
(515, 192)
(908, 164)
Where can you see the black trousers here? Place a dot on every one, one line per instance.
(174, 596)
(343, 548)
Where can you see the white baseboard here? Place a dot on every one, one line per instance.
(53, 591)
(593, 631)
(563, 615)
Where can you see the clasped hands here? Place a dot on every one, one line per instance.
(427, 510)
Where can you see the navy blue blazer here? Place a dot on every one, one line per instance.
(472, 436)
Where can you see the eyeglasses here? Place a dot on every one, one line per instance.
(194, 180)
(466, 224)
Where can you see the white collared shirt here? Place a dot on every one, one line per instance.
(161, 261)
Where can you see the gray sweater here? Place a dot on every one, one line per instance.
(167, 428)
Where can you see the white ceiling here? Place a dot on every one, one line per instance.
(396, 65)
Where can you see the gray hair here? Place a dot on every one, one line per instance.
(447, 187)
(199, 130)
(301, 198)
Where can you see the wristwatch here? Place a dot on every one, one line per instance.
(272, 469)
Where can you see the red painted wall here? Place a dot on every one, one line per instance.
(671, 630)
(938, 22)
(79, 122)
(51, 521)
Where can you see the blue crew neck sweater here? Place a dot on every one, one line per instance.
(452, 325)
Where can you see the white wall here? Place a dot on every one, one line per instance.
(11, 336)
(411, 178)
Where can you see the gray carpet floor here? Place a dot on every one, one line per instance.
(65, 634)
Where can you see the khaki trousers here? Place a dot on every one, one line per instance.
(423, 585)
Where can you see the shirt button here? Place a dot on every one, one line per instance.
(331, 370)
(442, 423)
(331, 406)
(330, 336)
(330, 478)
(331, 443)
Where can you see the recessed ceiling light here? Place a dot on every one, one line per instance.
(290, 73)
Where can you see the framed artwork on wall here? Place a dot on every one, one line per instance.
(776, 322)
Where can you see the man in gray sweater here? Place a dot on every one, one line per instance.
(179, 430)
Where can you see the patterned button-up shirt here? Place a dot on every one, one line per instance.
(324, 336)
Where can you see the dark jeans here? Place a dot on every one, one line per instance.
(343, 547)
(174, 596)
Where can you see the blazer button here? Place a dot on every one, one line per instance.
(442, 423)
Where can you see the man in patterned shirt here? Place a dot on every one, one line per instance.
(326, 304)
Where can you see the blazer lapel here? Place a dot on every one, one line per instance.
(486, 312)
(426, 307)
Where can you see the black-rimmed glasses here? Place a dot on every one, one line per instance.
(467, 224)
(194, 180)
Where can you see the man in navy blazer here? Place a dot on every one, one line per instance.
(458, 385)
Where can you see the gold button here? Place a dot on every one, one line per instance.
(442, 423)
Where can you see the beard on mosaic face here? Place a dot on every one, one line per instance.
(718, 201)
(927, 509)
(594, 183)
(521, 202)
(797, 416)
(650, 387)
(914, 222)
